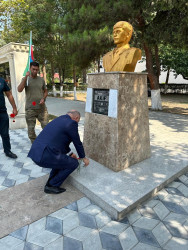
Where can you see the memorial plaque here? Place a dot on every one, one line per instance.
(100, 101)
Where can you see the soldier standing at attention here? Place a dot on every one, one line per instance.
(36, 93)
(4, 119)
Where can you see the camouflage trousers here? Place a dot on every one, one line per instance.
(31, 115)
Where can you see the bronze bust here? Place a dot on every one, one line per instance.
(122, 58)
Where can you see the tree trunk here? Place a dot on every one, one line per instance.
(153, 77)
(53, 84)
(167, 78)
(74, 81)
(44, 72)
(84, 76)
(98, 65)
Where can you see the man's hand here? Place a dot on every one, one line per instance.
(27, 74)
(74, 156)
(15, 111)
(42, 101)
(86, 161)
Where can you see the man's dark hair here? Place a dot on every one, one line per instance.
(36, 64)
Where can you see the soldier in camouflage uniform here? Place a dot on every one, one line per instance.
(36, 93)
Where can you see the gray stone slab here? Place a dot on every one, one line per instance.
(29, 203)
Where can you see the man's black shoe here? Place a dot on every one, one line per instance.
(53, 190)
(11, 155)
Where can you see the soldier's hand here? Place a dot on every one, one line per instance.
(86, 161)
(42, 101)
(15, 111)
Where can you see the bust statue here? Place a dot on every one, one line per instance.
(122, 58)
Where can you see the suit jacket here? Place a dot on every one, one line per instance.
(57, 136)
(125, 60)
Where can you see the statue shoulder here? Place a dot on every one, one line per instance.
(134, 52)
(108, 53)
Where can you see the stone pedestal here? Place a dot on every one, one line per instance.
(16, 54)
(120, 138)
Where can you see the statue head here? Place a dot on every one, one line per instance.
(122, 32)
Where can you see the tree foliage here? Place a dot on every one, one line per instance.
(174, 59)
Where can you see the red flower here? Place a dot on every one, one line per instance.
(34, 103)
(12, 115)
(13, 120)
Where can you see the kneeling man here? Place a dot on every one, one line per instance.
(51, 150)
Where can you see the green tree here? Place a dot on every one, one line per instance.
(43, 18)
(174, 59)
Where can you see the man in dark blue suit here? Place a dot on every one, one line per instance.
(51, 150)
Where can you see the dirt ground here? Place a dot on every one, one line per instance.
(171, 103)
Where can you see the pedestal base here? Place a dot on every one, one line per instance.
(120, 138)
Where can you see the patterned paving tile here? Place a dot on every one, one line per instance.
(174, 207)
(176, 244)
(176, 229)
(55, 245)
(45, 238)
(82, 203)
(87, 220)
(20, 233)
(180, 218)
(8, 182)
(159, 223)
(82, 236)
(8, 242)
(161, 210)
(146, 236)
(114, 228)
(30, 246)
(148, 212)
(161, 234)
(54, 225)
(146, 223)
(25, 171)
(4, 173)
(110, 241)
(128, 238)
(73, 206)
(172, 190)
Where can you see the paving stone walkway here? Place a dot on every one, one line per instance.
(159, 223)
